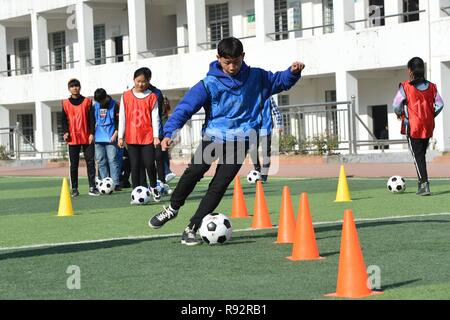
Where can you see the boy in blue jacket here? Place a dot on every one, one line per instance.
(233, 95)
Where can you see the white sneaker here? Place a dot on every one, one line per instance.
(170, 177)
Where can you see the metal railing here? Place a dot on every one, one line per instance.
(60, 66)
(351, 23)
(158, 52)
(9, 73)
(334, 125)
(104, 60)
(273, 35)
(210, 45)
(446, 10)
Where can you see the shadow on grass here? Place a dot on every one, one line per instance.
(399, 284)
(71, 248)
(371, 224)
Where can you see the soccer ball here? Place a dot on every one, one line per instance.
(215, 228)
(396, 184)
(97, 182)
(253, 176)
(140, 195)
(106, 186)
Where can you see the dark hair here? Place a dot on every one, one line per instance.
(230, 47)
(100, 94)
(417, 66)
(73, 83)
(146, 72)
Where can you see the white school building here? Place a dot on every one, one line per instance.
(350, 47)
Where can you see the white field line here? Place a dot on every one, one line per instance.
(46, 245)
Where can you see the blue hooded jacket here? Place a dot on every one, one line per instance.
(232, 103)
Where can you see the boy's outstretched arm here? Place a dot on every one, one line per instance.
(191, 103)
(282, 80)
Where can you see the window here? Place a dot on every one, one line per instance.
(26, 123)
(283, 100)
(281, 19)
(58, 134)
(57, 46)
(118, 42)
(411, 6)
(23, 56)
(218, 23)
(99, 44)
(328, 16)
(8, 64)
(332, 121)
(376, 11)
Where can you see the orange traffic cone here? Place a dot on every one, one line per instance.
(239, 208)
(305, 246)
(286, 226)
(352, 274)
(261, 218)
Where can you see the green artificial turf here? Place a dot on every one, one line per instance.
(411, 253)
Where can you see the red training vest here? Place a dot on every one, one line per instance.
(78, 118)
(138, 118)
(420, 110)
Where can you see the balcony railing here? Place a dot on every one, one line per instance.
(351, 23)
(163, 51)
(104, 60)
(446, 10)
(59, 66)
(273, 35)
(9, 73)
(210, 45)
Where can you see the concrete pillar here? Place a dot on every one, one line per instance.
(362, 12)
(85, 27)
(318, 17)
(307, 17)
(182, 30)
(265, 22)
(43, 132)
(4, 117)
(237, 24)
(393, 7)
(138, 27)
(196, 17)
(441, 76)
(3, 51)
(344, 10)
(39, 35)
(346, 87)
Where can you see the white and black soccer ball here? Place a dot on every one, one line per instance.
(97, 182)
(106, 186)
(396, 184)
(215, 228)
(140, 195)
(253, 177)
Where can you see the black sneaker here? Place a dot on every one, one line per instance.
(93, 192)
(189, 237)
(156, 194)
(117, 188)
(75, 193)
(161, 218)
(424, 189)
(263, 179)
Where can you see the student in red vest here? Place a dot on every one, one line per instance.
(417, 103)
(138, 127)
(78, 127)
